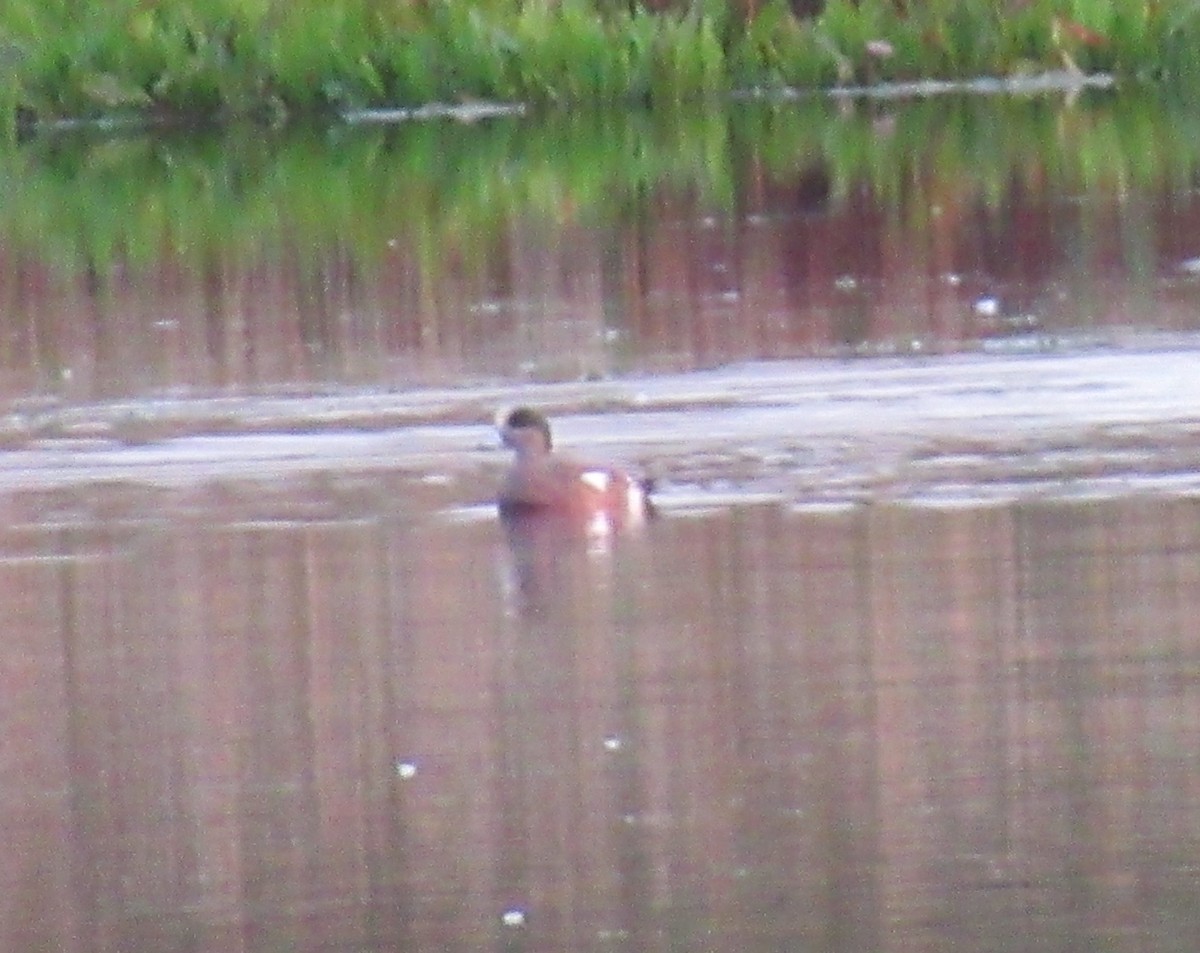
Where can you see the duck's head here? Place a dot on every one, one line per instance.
(525, 430)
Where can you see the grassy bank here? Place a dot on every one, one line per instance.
(274, 59)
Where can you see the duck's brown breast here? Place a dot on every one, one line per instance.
(571, 485)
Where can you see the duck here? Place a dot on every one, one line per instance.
(542, 480)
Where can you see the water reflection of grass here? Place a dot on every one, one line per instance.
(276, 58)
(445, 188)
(79, 200)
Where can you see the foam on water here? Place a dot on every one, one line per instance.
(789, 429)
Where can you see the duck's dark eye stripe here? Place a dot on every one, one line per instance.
(523, 417)
(526, 418)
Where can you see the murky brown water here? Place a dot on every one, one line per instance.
(443, 255)
(907, 663)
(251, 718)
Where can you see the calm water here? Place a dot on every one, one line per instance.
(444, 255)
(300, 723)
(908, 662)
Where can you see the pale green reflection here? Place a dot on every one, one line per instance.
(588, 246)
(445, 185)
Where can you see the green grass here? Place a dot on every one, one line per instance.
(209, 60)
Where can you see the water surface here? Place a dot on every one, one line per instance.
(443, 254)
(289, 719)
(906, 663)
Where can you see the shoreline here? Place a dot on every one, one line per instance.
(1045, 83)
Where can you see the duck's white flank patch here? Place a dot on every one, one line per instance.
(636, 501)
(598, 480)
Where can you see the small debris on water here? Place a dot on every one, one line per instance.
(513, 918)
(987, 306)
(612, 743)
(406, 770)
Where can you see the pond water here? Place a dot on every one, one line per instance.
(254, 719)
(593, 247)
(906, 661)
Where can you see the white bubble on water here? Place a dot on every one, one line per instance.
(987, 306)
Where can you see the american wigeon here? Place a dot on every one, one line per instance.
(541, 479)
